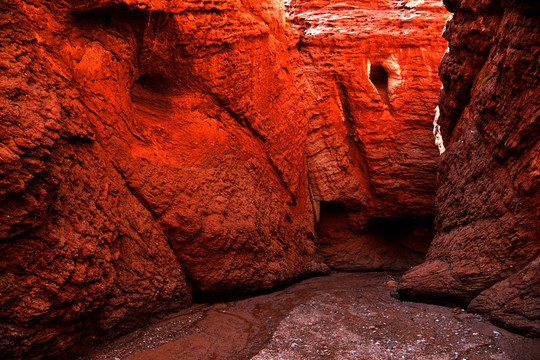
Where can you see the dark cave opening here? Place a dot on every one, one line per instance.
(413, 234)
(153, 82)
(379, 77)
(351, 240)
(150, 96)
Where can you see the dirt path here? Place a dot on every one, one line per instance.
(341, 316)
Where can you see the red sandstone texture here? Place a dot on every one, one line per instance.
(152, 149)
(486, 251)
(143, 143)
(372, 66)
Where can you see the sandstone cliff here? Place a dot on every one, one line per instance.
(151, 150)
(154, 149)
(143, 143)
(486, 251)
(372, 66)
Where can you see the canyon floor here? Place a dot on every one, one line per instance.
(340, 316)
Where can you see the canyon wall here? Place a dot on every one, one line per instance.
(372, 66)
(154, 150)
(149, 149)
(487, 247)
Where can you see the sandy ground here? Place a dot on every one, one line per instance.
(341, 316)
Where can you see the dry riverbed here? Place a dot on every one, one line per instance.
(341, 316)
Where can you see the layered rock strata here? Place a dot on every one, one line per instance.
(372, 66)
(486, 251)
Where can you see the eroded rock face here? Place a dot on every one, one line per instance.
(487, 245)
(143, 143)
(79, 254)
(152, 149)
(372, 66)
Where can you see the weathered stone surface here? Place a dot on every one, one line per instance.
(488, 221)
(153, 148)
(514, 302)
(372, 66)
(140, 144)
(79, 254)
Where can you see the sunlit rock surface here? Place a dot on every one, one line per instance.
(143, 143)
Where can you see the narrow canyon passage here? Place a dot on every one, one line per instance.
(158, 154)
(341, 316)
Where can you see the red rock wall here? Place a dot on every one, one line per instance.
(372, 66)
(143, 143)
(78, 252)
(152, 149)
(486, 251)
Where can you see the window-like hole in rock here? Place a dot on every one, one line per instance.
(379, 77)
